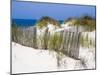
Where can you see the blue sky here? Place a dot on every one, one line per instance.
(33, 10)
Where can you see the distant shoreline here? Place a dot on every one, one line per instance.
(26, 22)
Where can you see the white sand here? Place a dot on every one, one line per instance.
(26, 59)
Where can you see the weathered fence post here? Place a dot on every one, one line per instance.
(34, 37)
(75, 43)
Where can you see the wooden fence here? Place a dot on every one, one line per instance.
(66, 42)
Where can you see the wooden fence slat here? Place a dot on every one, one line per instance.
(70, 41)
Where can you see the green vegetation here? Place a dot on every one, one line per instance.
(15, 32)
(45, 20)
(55, 42)
(85, 41)
(87, 22)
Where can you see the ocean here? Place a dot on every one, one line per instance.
(26, 22)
